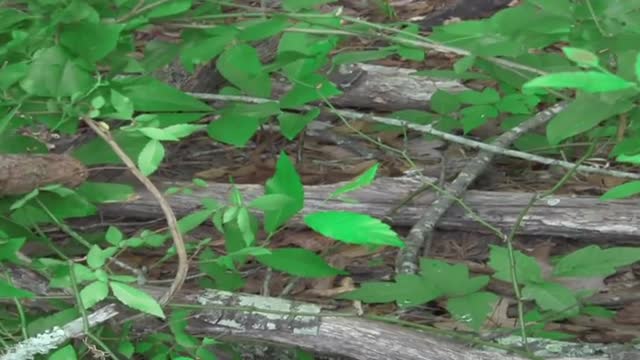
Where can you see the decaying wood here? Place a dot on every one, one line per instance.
(246, 317)
(21, 174)
(584, 218)
(385, 88)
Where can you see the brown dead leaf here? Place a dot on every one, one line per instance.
(306, 239)
(346, 285)
(499, 317)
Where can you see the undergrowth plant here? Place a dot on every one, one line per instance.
(68, 62)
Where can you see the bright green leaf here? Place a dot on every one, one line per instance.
(264, 29)
(552, 297)
(169, 8)
(581, 56)
(292, 123)
(136, 299)
(94, 293)
(588, 81)
(151, 95)
(65, 353)
(285, 181)
(96, 257)
(150, 157)
(622, 191)
(297, 5)
(7, 291)
(527, 268)
(353, 228)
(407, 290)
(241, 65)
(298, 262)
(91, 41)
(361, 181)
(593, 261)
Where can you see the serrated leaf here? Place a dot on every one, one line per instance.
(361, 181)
(285, 181)
(150, 157)
(97, 257)
(353, 228)
(588, 81)
(594, 261)
(194, 219)
(407, 290)
(94, 293)
(452, 280)
(527, 268)
(552, 297)
(136, 299)
(299, 262)
(472, 309)
(622, 191)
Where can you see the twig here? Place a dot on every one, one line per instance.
(428, 129)
(420, 234)
(172, 223)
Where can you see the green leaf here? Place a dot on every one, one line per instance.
(298, 262)
(292, 123)
(94, 293)
(444, 103)
(170, 8)
(96, 257)
(407, 290)
(487, 97)
(241, 66)
(588, 81)
(122, 104)
(311, 88)
(552, 297)
(622, 191)
(637, 67)
(361, 181)
(264, 29)
(54, 74)
(64, 353)
(593, 261)
(585, 112)
(157, 134)
(476, 116)
(150, 157)
(463, 65)
(233, 129)
(7, 291)
(91, 41)
(200, 47)
(353, 228)
(178, 321)
(272, 202)
(297, 5)
(581, 56)
(527, 268)
(472, 309)
(136, 299)
(152, 95)
(113, 235)
(452, 280)
(285, 181)
(194, 219)
(12, 73)
(9, 248)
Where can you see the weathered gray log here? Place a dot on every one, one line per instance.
(246, 317)
(385, 88)
(584, 218)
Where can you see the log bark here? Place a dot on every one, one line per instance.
(584, 218)
(246, 317)
(21, 174)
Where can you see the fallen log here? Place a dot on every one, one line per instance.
(246, 317)
(585, 218)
